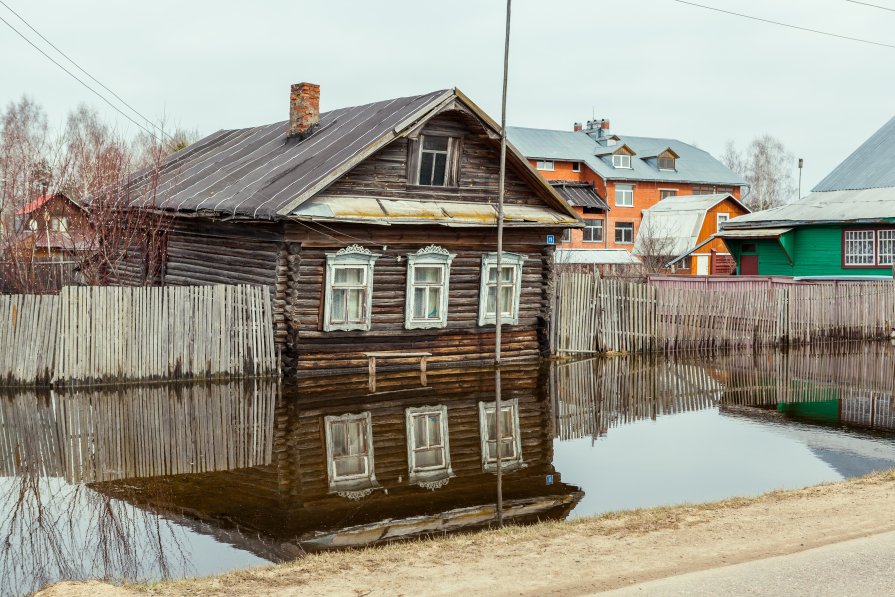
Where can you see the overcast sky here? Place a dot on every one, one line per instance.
(653, 67)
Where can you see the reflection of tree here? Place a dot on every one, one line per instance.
(51, 530)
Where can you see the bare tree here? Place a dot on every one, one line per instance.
(767, 167)
(656, 246)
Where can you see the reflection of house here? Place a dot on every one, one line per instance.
(681, 230)
(351, 468)
(630, 173)
(374, 225)
(845, 227)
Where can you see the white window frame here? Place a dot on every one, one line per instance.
(576, 166)
(489, 261)
(368, 478)
(430, 256)
(351, 256)
(720, 218)
(566, 235)
(417, 473)
(885, 237)
(586, 228)
(506, 463)
(623, 161)
(624, 192)
(546, 165)
(620, 242)
(858, 238)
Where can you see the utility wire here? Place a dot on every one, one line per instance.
(872, 5)
(772, 22)
(75, 77)
(80, 68)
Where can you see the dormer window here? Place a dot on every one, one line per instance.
(621, 160)
(437, 157)
(666, 163)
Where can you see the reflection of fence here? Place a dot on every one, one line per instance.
(103, 334)
(137, 431)
(596, 315)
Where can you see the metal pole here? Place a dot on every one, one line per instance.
(498, 308)
(801, 163)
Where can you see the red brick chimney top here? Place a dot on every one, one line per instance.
(304, 109)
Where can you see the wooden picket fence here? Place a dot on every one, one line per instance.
(113, 334)
(597, 315)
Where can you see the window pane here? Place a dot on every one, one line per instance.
(506, 299)
(433, 305)
(357, 437)
(490, 300)
(508, 273)
(435, 143)
(353, 276)
(431, 458)
(433, 422)
(438, 175)
(356, 298)
(427, 275)
(508, 449)
(340, 305)
(492, 274)
(426, 161)
(339, 432)
(419, 303)
(886, 247)
(419, 432)
(353, 465)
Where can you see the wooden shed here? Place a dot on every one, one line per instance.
(374, 227)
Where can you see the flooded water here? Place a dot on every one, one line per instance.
(141, 483)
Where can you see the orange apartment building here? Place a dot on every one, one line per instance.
(627, 174)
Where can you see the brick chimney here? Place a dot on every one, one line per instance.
(304, 110)
(576, 127)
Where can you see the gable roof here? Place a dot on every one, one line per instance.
(579, 194)
(872, 165)
(256, 173)
(693, 166)
(678, 221)
(41, 201)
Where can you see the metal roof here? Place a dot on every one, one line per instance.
(872, 165)
(831, 207)
(595, 256)
(693, 166)
(681, 203)
(579, 194)
(678, 221)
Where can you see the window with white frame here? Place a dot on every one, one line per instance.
(510, 440)
(547, 165)
(349, 289)
(59, 224)
(510, 288)
(428, 285)
(593, 231)
(860, 247)
(721, 218)
(437, 161)
(624, 195)
(428, 448)
(621, 160)
(886, 247)
(567, 235)
(576, 166)
(624, 233)
(349, 450)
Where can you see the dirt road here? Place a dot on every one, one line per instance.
(574, 558)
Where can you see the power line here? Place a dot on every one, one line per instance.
(872, 5)
(772, 22)
(75, 77)
(80, 68)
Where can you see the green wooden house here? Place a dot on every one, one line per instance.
(844, 227)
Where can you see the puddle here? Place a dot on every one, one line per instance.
(141, 483)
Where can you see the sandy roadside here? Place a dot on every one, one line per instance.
(573, 558)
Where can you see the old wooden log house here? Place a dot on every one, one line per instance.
(373, 225)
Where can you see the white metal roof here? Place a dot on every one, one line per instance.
(596, 257)
(856, 206)
(678, 221)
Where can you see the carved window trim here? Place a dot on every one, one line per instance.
(419, 474)
(354, 256)
(350, 483)
(489, 262)
(507, 462)
(430, 256)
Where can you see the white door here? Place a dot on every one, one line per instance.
(702, 265)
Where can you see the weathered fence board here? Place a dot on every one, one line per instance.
(105, 334)
(595, 315)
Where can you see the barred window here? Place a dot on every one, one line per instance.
(860, 247)
(886, 254)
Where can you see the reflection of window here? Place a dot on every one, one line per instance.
(428, 452)
(624, 233)
(593, 231)
(437, 161)
(510, 439)
(349, 289)
(624, 195)
(510, 287)
(547, 165)
(886, 247)
(428, 278)
(860, 247)
(621, 160)
(349, 450)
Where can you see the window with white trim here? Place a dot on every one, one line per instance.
(510, 288)
(437, 161)
(886, 247)
(547, 165)
(428, 285)
(624, 233)
(621, 160)
(428, 448)
(721, 218)
(860, 247)
(59, 224)
(624, 195)
(576, 166)
(567, 235)
(349, 289)
(349, 450)
(510, 440)
(593, 231)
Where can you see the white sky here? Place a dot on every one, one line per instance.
(653, 67)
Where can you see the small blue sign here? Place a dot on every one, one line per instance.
(549, 479)
(551, 239)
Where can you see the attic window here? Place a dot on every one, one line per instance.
(666, 163)
(621, 160)
(547, 165)
(438, 161)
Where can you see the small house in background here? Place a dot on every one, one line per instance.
(679, 234)
(844, 227)
(374, 226)
(52, 227)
